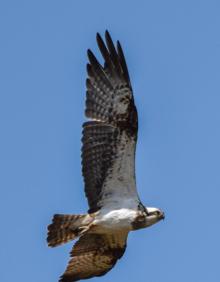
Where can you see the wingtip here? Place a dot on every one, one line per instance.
(89, 52)
(98, 35)
(99, 39)
(107, 33)
(118, 44)
(91, 56)
(107, 36)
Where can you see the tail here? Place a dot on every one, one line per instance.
(65, 228)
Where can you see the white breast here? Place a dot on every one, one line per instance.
(115, 219)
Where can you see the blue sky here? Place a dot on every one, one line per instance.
(172, 51)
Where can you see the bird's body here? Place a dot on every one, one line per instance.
(115, 219)
(108, 167)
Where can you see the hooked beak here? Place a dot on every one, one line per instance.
(162, 215)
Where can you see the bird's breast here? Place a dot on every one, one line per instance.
(116, 219)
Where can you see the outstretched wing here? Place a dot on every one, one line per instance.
(109, 138)
(94, 255)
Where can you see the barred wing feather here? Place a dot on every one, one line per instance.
(94, 255)
(109, 138)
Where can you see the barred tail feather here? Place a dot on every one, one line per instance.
(65, 228)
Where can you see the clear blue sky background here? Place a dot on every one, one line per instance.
(173, 54)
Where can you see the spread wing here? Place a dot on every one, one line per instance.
(109, 138)
(94, 255)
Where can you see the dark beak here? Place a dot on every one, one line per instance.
(162, 216)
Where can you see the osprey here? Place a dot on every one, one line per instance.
(108, 167)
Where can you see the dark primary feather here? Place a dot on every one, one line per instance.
(110, 106)
(123, 63)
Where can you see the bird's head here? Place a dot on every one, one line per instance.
(147, 217)
(153, 215)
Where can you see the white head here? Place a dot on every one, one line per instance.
(146, 217)
(153, 215)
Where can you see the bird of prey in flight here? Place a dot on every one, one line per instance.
(109, 139)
